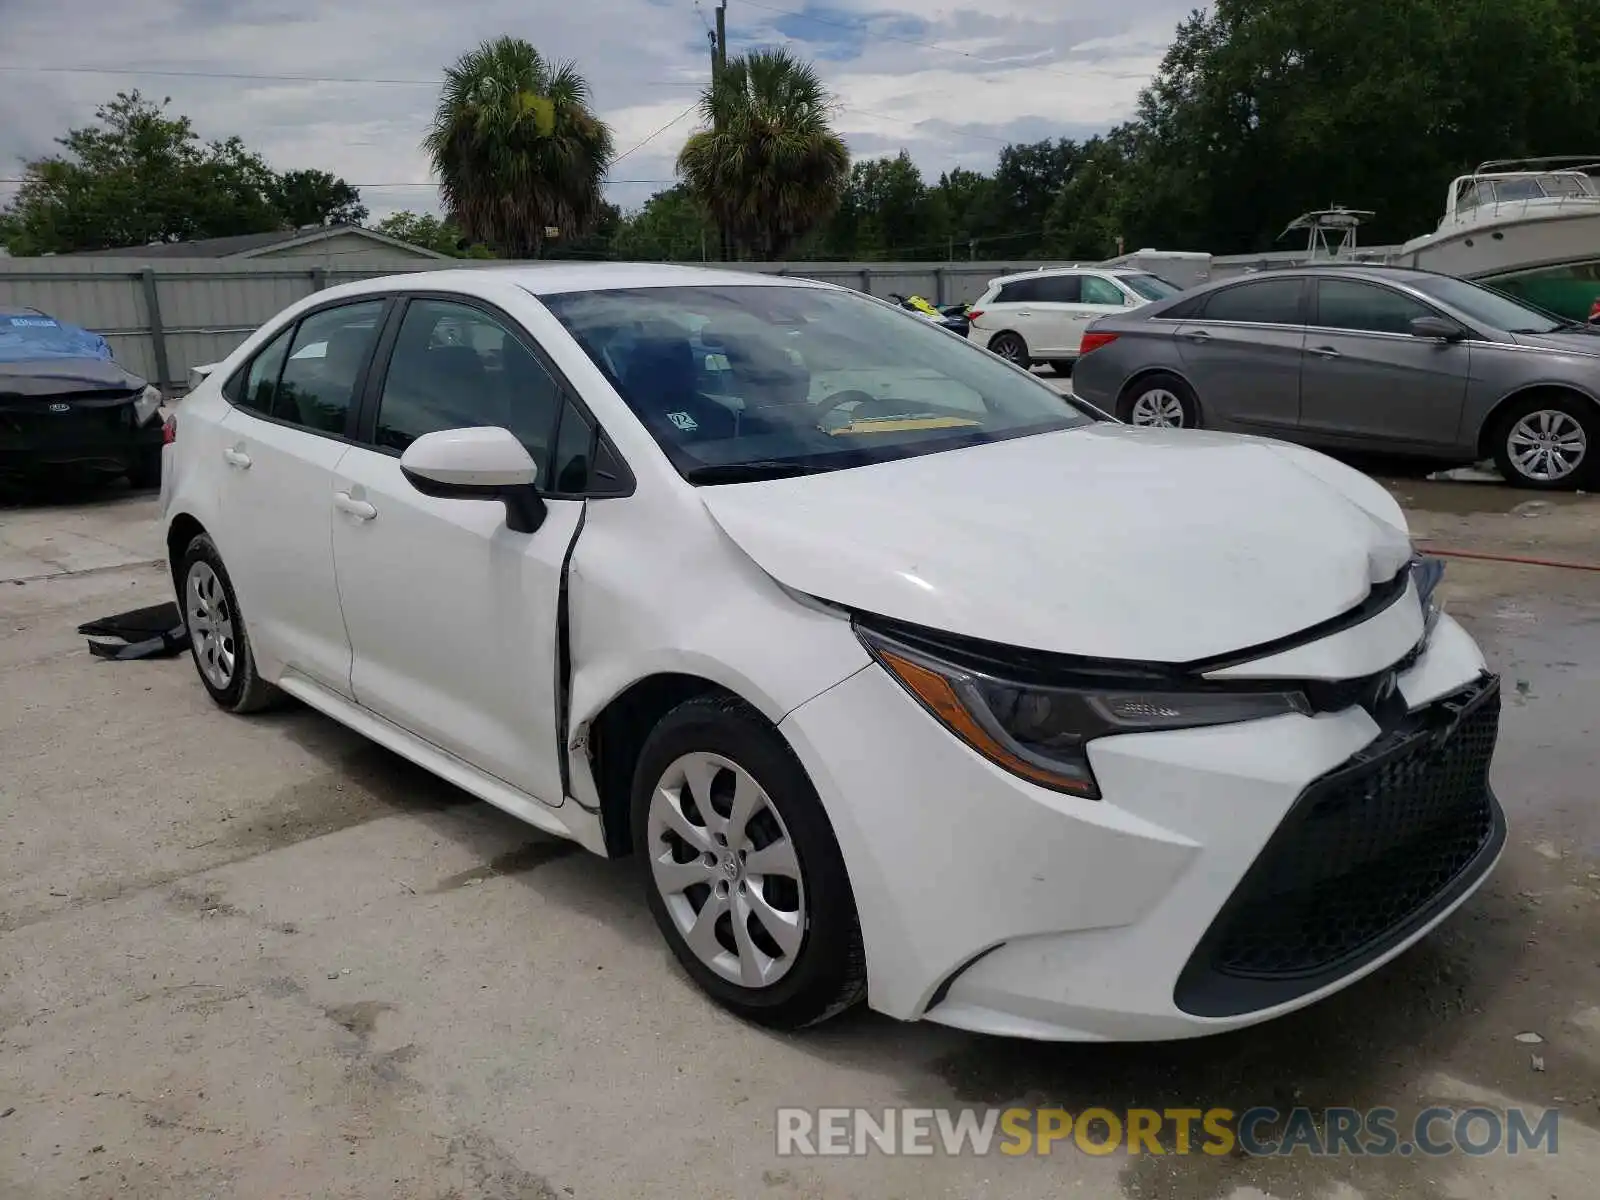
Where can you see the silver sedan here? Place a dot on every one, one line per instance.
(1361, 359)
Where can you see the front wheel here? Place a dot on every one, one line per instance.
(741, 869)
(1548, 442)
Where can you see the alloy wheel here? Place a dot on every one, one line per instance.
(1012, 349)
(1547, 445)
(210, 625)
(725, 866)
(1158, 408)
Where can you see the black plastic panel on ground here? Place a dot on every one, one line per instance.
(1369, 853)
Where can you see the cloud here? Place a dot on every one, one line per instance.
(950, 82)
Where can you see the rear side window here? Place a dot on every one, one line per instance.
(1349, 304)
(1061, 289)
(1019, 291)
(1101, 291)
(1263, 302)
(252, 387)
(326, 365)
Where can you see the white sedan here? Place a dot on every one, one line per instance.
(901, 677)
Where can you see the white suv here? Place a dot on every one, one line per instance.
(1040, 316)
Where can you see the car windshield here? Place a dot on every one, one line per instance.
(753, 381)
(1492, 308)
(1151, 287)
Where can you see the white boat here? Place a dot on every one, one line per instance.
(1525, 226)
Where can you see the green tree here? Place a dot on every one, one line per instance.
(431, 233)
(138, 176)
(1084, 221)
(518, 149)
(316, 198)
(671, 226)
(884, 212)
(769, 167)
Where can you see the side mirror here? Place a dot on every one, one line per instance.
(1437, 327)
(477, 464)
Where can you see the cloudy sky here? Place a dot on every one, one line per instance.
(951, 81)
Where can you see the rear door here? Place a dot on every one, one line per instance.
(1367, 380)
(1058, 319)
(1242, 352)
(1016, 308)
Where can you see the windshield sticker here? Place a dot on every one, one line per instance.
(33, 323)
(683, 421)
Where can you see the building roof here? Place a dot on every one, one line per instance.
(250, 245)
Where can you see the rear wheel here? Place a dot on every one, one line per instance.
(1011, 347)
(1548, 442)
(1161, 401)
(217, 637)
(741, 869)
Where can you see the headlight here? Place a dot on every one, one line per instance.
(1426, 573)
(146, 405)
(1042, 732)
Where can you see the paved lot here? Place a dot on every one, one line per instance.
(262, 958)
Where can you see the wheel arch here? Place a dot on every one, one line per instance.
(1490, 425)
(181, 530)
(1145, 373)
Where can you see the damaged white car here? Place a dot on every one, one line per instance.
(902, 677)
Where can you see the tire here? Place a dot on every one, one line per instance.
(1011, 347)
(211, 615)
(727, 749)
(1566, 420)
(145, 472)
(1158, 395)
(1062, 366)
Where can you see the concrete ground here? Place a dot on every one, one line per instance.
(262, 958)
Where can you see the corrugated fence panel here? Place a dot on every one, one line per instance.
(207, 307)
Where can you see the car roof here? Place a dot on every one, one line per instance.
(1080, 269)
(1340, 270)
(19, 310)
(551, 278)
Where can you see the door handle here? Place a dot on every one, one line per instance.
(1326, 352)
(1198, 336)
(358, 509)
(236, 458)
(1022, 312)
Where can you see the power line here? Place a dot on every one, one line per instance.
(265, 78)
(641, 145)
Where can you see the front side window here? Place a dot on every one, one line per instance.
(1366, 307)
(1266, 302)
(1494, 309)
(816, 379)
(1101, 291)
(455, 367)
(1151, 287)
(326, 364)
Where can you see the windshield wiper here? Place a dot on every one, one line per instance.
(748, 472)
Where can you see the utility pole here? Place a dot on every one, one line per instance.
(719, 60)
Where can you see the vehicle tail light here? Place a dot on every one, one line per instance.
(974, 313)
(169, 430)
(1093, 341)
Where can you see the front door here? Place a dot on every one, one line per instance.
(1368, 380)
(1242, 354)
(282, 441)
(451, 614)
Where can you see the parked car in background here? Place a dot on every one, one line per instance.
(817, 650)
(67, 406)
(1361, 358)
(1040, 316)
(952, 316)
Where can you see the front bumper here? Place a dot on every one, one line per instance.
(1197, 896)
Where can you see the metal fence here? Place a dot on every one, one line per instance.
(162, 318)
(165, 317)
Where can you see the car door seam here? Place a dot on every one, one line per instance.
(563, 671)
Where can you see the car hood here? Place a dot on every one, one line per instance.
(1105, 541)
(1577, 341)
(65, 376)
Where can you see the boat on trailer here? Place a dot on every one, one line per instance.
(1529, 227)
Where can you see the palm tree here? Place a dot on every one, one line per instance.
(770, 167)
(517, 148)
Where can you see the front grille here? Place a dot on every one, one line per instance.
(1369, 852)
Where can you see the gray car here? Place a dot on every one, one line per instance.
(1360, 358)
